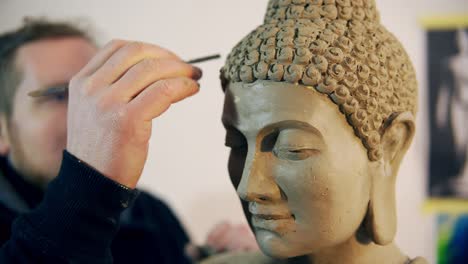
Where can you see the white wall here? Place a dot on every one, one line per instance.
(187, 161)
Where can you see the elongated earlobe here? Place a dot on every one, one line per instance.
(381, 219)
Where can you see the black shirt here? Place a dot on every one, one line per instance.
(84, 217)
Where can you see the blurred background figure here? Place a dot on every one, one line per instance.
(450, 137)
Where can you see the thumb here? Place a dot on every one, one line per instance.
(197, 253)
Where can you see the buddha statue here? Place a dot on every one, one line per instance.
(320, 105)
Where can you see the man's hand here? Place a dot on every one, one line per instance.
(113, 100)
(229, 237)
(224, 237)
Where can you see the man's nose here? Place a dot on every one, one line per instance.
(257, 183)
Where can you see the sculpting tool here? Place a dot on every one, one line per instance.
(63, 89)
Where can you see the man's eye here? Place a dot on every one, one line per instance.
(60, 97)
(294, 154)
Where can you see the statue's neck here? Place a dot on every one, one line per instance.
(354, 252)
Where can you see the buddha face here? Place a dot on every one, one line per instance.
(299, 169)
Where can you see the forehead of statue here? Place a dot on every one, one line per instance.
(253, 107)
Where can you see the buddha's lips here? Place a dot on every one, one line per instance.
(269, 212)
(280, 224)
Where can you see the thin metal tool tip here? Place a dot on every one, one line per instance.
(203, 59)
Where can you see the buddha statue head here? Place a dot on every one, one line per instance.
(319, 111)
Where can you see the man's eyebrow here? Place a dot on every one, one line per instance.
(292, 124)
(52, 90)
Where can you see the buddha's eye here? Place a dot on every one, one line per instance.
(296, 144)
(294, 154)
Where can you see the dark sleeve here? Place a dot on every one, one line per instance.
(167, 219)
(150, 233)
(75, 222)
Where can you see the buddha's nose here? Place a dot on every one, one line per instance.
(257, 183)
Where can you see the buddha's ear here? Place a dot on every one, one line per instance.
(398, 132)
(381, 220)
(4, 138)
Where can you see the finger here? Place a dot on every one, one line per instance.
(218, 231)
(101, 57)
(244, 244)
(245, 230)
(149, 71)
(231, 241)
(241, 239)
(127, 56)
(158, 97)
(192, 252)
(249, 236)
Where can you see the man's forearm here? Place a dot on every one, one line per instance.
(76, 221)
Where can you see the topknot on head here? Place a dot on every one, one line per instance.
(279, 10)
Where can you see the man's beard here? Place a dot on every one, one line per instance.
(22, 163)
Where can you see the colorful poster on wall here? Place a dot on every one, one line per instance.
(447, 62)
(452, 239)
